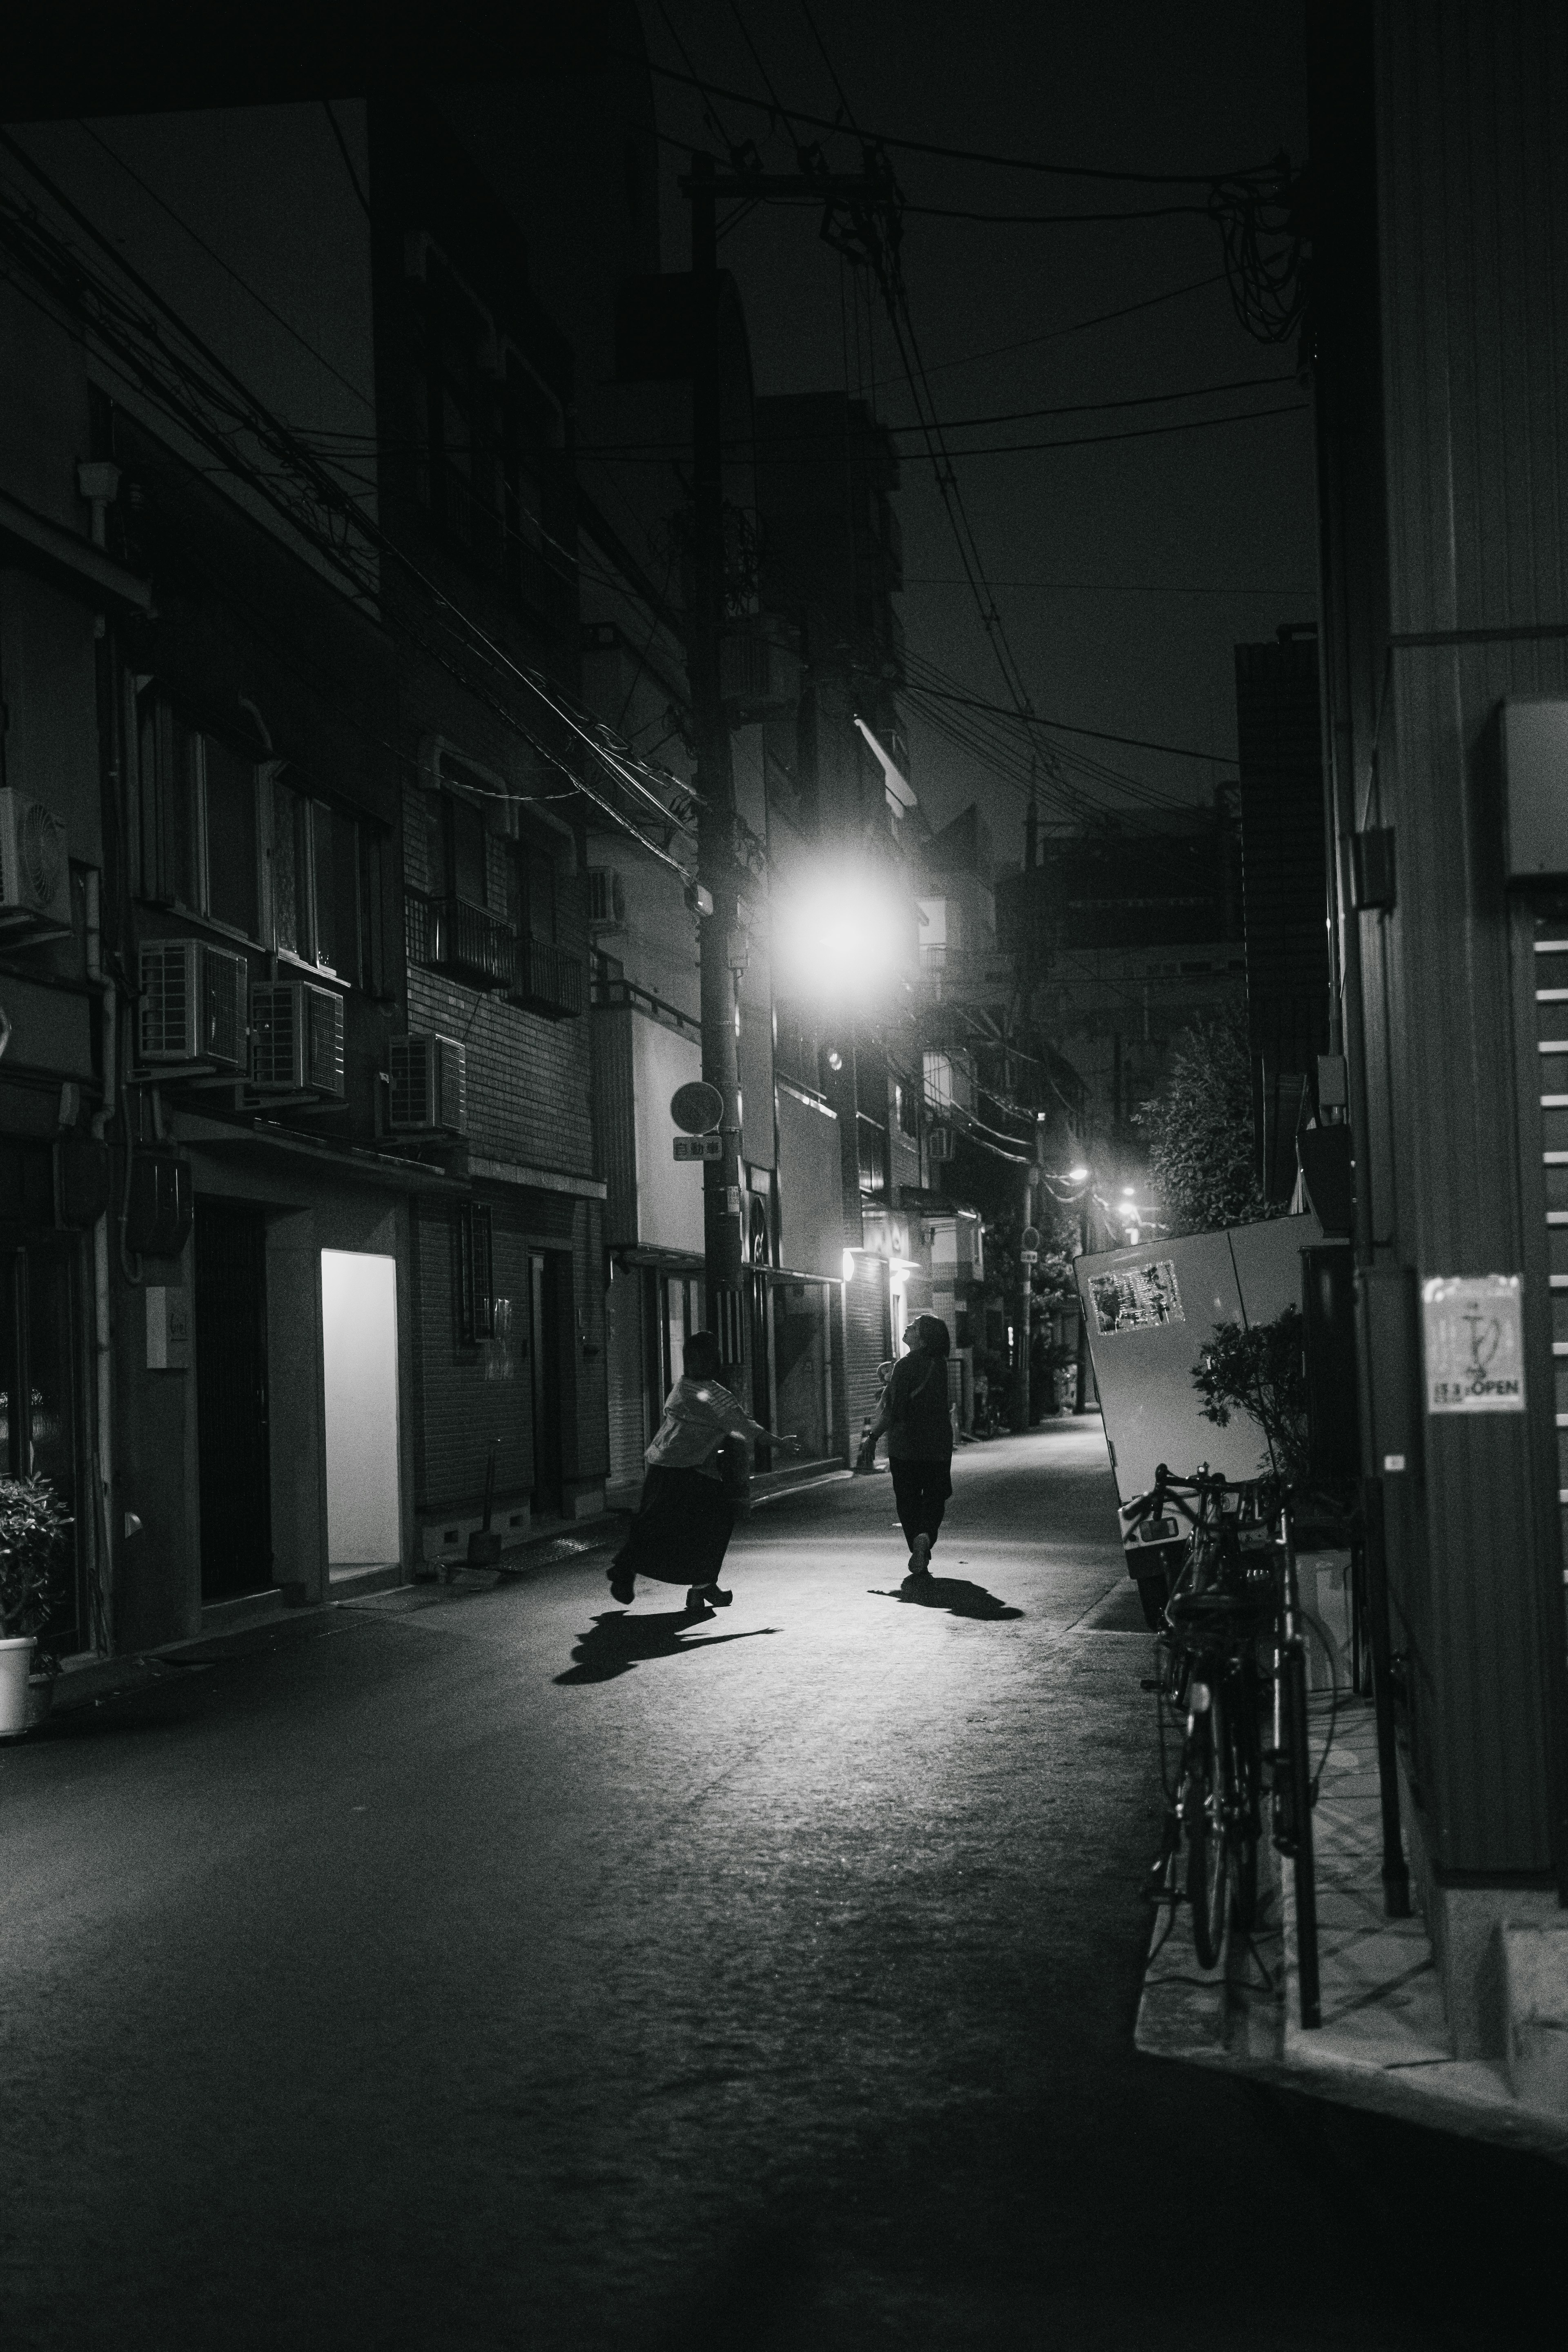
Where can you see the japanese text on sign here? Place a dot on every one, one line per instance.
(1472, 1328)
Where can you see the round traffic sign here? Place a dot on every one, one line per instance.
(1031, 1238)
(696, 1107)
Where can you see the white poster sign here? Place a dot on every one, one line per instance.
(1474, 1339)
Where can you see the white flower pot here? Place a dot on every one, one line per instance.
(16, 1657)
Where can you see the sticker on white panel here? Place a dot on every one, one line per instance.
(1473, 1329)
(1136, 1297)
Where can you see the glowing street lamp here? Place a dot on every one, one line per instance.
(841, 934)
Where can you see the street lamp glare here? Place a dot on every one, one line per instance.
(840, 934)
(1078, 1175)
(1130, 1192)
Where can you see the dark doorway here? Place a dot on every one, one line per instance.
(549, 1273)
(39, 1402)
(231, 1401)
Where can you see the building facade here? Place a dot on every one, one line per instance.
(1437, 337)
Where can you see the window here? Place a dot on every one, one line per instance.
(230, 830)
(210, 810)
(873, 1153)
(327, 879)
(532, 892)
(907, 1102)
(198, 819)
(938, 1070)
(486, 469)
(476, 1280)
(460, 399)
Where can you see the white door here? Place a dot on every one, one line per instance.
(359, 1361)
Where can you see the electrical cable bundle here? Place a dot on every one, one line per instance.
(164, 358)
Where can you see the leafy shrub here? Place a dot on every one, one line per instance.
(32, 1524)
(1260, 1373)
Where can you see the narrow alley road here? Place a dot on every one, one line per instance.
(493, 1968)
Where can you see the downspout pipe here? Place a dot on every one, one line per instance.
(103, 1402)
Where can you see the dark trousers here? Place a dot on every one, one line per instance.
(921, 1490)
(681, 1530)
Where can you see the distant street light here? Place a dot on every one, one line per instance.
(1078, 1175)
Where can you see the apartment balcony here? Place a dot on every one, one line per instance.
(449, 934)
(551, 981)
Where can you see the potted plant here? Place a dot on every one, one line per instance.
(32, 1524)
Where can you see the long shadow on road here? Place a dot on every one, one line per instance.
(956, 1594)
(618, 1643)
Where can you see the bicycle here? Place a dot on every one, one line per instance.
(1222, 1599)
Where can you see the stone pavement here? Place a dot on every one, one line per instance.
(486, 1966)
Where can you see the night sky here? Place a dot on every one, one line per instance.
(1125, 571)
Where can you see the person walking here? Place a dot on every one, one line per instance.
(687, 1515)
(919, 1429)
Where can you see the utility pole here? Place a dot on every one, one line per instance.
(860, 216)
(719, 948)
(1029, 1255)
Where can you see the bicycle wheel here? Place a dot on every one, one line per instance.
(1204, 1821)
(1246, 1778)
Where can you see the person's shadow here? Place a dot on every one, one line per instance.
(618, 1643)
(954, 1593)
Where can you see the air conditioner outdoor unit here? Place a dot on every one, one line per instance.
(192, 1003)
(430, 1085)
(297, 1037)
(35, 869)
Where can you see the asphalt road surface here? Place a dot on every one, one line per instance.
(496, 1967)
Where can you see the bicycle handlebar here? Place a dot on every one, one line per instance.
(1203, 1481)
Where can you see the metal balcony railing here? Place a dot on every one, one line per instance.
(550, 979)
(449, 934)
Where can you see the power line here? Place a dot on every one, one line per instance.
(1139, 432)
(138, 339)
(1114, 587)
(1059, 220)
(244, 283)
(348, 159)
(1102, 407)
(952, 154)
(645, 454)
(1076, 327)
(1136, 743)
(947, 425)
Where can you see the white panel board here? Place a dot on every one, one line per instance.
(1147, 1330)
(1269, 1262)
(358, 1363)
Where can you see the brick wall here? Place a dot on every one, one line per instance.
(528, 1078)
(471, 1395)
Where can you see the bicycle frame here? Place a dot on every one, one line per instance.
(1211, 1630)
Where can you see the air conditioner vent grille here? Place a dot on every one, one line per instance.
(192, 1003)
(429, 1088)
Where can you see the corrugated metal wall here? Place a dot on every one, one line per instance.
(1473, 227)
(867, 1340)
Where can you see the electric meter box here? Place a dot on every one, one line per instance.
(1534, 745)
(168, 1327)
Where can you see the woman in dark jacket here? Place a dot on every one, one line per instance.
(919, 1430)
